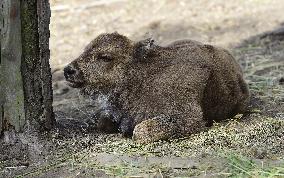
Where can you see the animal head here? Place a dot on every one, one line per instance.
(104, 60)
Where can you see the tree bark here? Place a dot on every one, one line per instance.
(12, 103)
(25, 76)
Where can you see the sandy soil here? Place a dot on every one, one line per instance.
(251, 29)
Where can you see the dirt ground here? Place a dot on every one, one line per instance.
(244, 146)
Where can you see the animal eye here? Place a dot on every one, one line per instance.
(105, 57)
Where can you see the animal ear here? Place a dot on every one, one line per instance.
(142, 49)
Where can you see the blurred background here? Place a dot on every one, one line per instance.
(75, 23)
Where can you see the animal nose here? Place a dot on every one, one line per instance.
(69, 71)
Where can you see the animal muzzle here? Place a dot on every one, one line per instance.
(73, 76)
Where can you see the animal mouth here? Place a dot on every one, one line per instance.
(75, 81)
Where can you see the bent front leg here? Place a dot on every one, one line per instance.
(157, 128)
(166, 127)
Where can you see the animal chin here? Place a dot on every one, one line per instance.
(89, 91)
(75, 84)
(94, 89)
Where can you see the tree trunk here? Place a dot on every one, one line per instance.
(25, 77)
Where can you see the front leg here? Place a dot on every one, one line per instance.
(165, 127)
(157, 128)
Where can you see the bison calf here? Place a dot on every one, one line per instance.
(156, 92)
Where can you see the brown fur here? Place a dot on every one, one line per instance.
(160, 92)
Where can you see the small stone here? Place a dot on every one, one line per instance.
(281, 81)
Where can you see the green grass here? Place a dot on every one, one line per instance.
(241, 166)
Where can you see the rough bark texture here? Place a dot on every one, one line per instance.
(25, 92)
(43, 11)
(12, 99)
(35, 15)
(1, 80)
